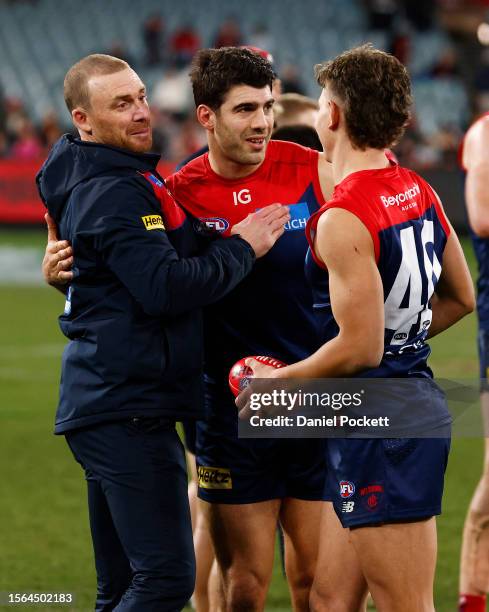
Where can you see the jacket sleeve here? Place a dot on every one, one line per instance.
(143, 258)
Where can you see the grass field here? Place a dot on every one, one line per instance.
(44, 536)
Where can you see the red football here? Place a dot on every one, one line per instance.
(240, 373)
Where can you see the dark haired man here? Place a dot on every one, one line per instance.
(268, 481)
(370, 255)
(133, 363)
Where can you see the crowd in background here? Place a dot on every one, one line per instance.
(176, 132)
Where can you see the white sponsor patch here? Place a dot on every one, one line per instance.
(401, 198)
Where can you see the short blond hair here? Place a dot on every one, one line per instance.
(290, 105)
(76, 80)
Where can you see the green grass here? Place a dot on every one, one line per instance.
(28, 237)
(44, 535)
(454, 356)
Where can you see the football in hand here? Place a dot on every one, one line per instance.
(240, 373)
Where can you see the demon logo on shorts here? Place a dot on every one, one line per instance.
(372, 496)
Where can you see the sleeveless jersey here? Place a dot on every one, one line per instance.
(481, 249)
(409, 231)
(270, 312)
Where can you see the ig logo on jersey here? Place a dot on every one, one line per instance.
(347, 489)
(242, 197)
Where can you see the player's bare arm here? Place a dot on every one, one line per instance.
(454, 295)
(476, 161)
(344, 245)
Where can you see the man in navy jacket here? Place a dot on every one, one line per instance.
(141, 272)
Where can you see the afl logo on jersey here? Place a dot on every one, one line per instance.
(217, 224)
(347, 489)
(400, 336)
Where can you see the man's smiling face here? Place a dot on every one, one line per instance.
(119, 113)
(244, 124)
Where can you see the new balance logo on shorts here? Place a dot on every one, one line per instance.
(214, 478)
(348, 506)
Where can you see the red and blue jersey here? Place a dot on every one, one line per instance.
(481, 249)
(409, 231)
(270, 312)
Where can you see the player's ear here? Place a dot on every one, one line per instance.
(334, 115)
(81, 120)
(206, 117)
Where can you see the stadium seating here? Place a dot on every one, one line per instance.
(38, 42)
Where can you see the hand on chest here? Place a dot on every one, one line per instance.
(221, 209)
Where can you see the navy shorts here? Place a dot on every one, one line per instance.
(378, 481)
(234, 470)
(483, 342)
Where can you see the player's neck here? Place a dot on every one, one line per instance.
(346, 160)
(229, 169)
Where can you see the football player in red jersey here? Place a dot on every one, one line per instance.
(474, 563)
(247, 486)
(377, 247)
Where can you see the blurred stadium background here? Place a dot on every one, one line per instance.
(44, 539)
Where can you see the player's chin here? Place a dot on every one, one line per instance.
(254, 157)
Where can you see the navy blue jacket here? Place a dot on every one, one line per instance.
(132, 313)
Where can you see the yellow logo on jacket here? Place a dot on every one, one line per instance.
(152, 222)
